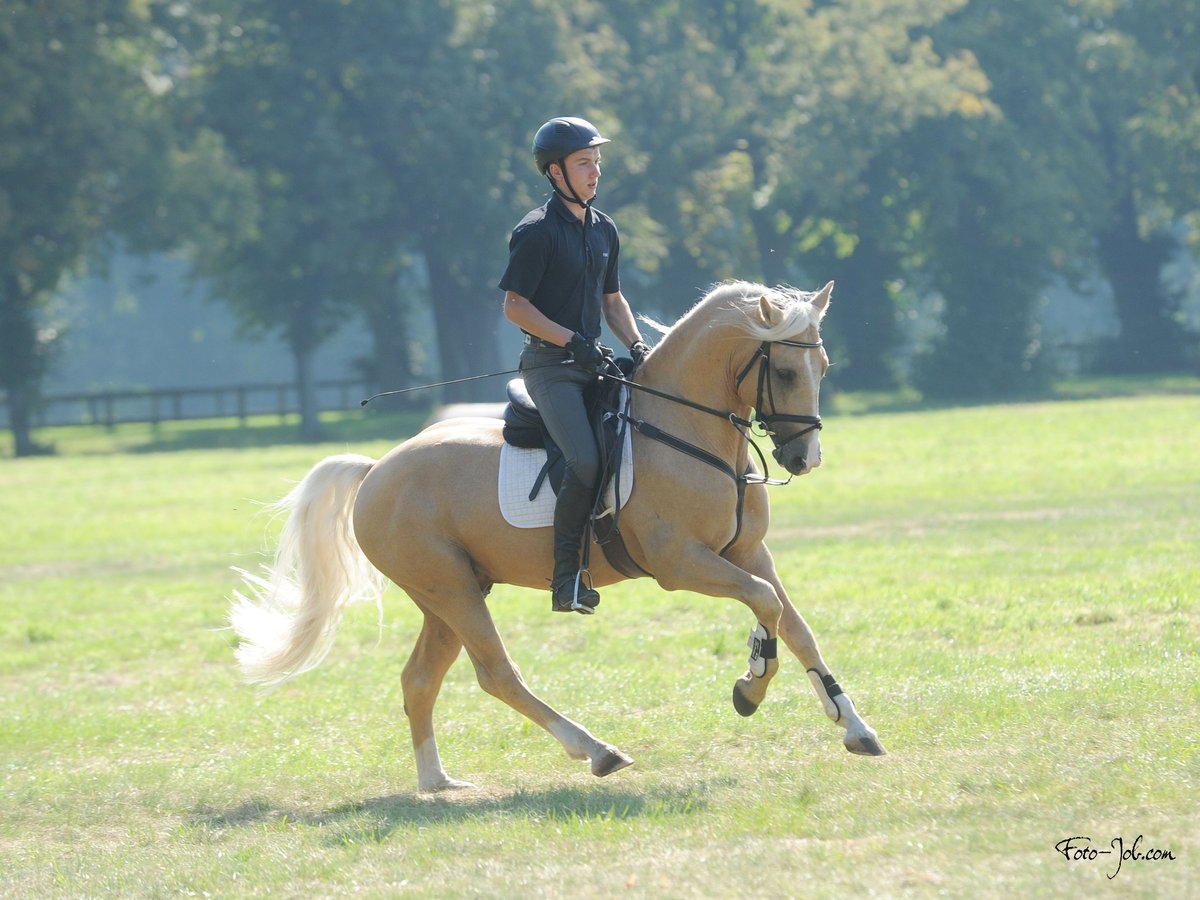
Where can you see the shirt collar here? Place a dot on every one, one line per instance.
(559, 205)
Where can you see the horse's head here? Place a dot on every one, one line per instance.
(782, 381)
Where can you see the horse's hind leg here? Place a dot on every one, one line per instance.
(458, 601)
(437, 648)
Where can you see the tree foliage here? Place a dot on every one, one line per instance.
(1140, 67)
(79, 142)
(346, 158)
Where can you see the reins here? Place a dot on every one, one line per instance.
(743, 426)
(762, 420)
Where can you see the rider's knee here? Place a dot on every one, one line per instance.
(585, 470)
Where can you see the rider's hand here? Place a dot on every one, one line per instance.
(586, 354)
(639, 351)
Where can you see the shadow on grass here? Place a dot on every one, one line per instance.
(374, 819)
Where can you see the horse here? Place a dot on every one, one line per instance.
(426, 516)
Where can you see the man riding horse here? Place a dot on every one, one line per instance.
(562, 274)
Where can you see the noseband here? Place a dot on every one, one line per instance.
(766, 421)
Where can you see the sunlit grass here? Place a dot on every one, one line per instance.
(1008, 593)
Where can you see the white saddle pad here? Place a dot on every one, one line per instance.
(519, 469)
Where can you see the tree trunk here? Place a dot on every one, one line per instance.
(866, 320)
(389, 367)
(18, 419)
(1150, 341)
(466, 328)
(306, 392)
(987, 350)
(773, 249)
(20, 364)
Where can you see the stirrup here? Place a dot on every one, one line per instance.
(582, 599)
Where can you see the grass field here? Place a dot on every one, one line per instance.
(1009, 594)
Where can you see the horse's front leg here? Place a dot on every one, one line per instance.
(697, 568)
(859, 737)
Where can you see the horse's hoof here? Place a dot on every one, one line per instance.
(743, 706)
(612, 761)
(449, 784)
(864, 745)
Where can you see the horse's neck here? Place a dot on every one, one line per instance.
(701, 367)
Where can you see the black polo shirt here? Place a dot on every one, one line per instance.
(550, 265)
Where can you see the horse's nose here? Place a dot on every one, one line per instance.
(797, 460)
(796, 463)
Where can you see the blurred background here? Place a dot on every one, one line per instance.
(269, 195)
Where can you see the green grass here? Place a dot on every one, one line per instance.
(1009, 593)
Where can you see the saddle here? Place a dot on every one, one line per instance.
(524, 429)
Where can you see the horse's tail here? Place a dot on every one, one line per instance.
(286, 624)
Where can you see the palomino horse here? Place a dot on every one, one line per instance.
(426, 516)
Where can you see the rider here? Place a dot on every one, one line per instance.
(562, 274)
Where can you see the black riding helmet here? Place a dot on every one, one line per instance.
(558, 139)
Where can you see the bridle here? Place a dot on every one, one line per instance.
(766, 421)
(762, 424)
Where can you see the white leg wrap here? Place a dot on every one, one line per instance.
(827, 689)
(762, 648)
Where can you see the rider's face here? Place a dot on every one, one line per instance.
(583, 170)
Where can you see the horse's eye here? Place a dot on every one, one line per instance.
(787, 375)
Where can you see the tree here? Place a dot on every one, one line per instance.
(1008, 200)
(298, 250)
(380, 140)
(444, 98)
(769, 130)
(77, 145)
(1141, 66)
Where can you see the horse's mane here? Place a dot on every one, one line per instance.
(736, 302)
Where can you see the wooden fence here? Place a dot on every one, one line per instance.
(110, 408)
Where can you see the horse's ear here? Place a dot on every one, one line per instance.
(821, 301)
(768, 312)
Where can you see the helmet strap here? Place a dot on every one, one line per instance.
(574, 198)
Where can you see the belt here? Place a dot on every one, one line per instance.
(531, 341)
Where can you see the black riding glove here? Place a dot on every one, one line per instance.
(585, 353)
(639, 351)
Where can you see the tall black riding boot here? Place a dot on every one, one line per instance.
(571, 511)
